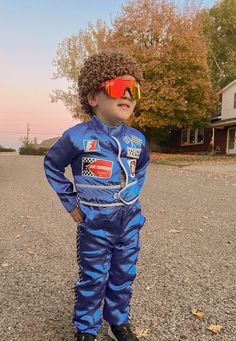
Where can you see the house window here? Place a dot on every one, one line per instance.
(200, 135)
(184, 136)
(235, 101)
(231, 139)
(192, 136)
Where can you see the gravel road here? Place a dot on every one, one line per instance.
(187, 257)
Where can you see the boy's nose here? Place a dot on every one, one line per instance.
(127, 93)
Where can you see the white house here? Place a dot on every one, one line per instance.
(46, 143)
(224, 126)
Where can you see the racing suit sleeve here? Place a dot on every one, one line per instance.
(142, 164)
(56, 159)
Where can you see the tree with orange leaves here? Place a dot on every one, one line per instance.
(172, 52)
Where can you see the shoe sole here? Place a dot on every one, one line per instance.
(110, 333)
(77, 338)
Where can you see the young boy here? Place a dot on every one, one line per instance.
(109, 160)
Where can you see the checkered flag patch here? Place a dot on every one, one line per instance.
(86, 161)
(127, 139)
(136, 140)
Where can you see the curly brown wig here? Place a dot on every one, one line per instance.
(101, 66)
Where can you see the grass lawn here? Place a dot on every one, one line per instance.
(189, 159)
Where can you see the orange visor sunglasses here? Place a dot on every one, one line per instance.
(116, 87)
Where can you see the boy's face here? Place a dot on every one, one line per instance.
(109, 108)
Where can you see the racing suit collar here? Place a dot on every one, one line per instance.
(105, 127)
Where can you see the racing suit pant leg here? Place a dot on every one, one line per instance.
(119, 285)
(93, 257)
(116, 309)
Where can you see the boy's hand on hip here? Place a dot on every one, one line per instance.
(77, 215)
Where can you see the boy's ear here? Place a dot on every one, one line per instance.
(91, 97)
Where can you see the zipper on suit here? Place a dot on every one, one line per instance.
(121, 163)
(126, 179)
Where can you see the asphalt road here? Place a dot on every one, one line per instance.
(187, 257)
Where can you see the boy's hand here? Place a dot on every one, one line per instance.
(77, 215)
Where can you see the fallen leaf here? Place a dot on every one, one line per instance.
(141, 332)
(174, 231)
(215, 328)
(30, 252)
(198, 313)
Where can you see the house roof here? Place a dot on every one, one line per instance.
(229, 85)
(224, 123)
(46, 143)
(49, 142)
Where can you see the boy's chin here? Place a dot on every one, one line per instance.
(123, 116)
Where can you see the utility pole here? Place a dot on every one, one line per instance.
(27, 132)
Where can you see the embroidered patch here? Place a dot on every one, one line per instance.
(133, 140)
(132, 167)
(91, 145)
(99, 168)
(133, 152)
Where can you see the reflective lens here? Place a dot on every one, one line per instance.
(116, 87)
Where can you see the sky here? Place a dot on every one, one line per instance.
(30, 33)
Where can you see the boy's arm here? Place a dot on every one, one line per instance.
(142, 164)
(57, 158)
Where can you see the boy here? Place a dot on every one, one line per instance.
(109, 161)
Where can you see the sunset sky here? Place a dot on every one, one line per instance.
(30, 32)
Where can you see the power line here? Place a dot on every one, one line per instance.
(27, 132)
(31, 112)
(23, 132)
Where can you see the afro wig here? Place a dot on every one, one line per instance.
(101, 66)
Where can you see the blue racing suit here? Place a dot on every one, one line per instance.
(108, 238)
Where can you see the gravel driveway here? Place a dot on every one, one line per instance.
(187, 257)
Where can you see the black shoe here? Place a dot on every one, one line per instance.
(122, 332)
(85, 336)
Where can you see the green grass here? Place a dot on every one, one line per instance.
(180, 160)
